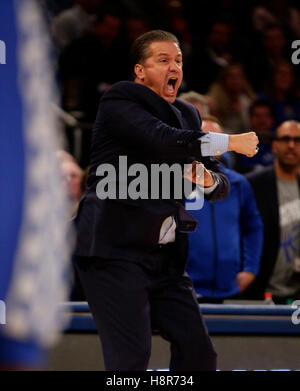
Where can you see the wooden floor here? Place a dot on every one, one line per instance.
(82, 352)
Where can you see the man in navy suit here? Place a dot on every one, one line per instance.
(131, 251)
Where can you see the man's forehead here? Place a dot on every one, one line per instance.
(164, 48)
(211, 124)
(288, 129)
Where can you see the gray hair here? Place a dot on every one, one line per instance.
(195, 97)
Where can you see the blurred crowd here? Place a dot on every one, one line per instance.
(233, 53)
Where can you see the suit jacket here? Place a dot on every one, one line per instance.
(135, 122)
(265, 190)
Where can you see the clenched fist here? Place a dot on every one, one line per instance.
(245, 143)
(197, 173)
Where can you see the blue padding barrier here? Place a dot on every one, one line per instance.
(247, 309)
(219, 318)
(76, 306)
(212, 309)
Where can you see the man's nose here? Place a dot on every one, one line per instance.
(68, 178)
(291, 143)
(174, 66)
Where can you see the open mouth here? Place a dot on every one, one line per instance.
(171, 85)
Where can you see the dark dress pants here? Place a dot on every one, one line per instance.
(128, 300)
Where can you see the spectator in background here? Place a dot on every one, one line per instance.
(175, 19)
(63, 155)
(274, 44)
(277, 192)
(176, 22)
(88, 66)
(268, 48)
(73, 177)
(200, 101)
(233, 96)
(209, 61)
(54, 7)
(230, 233)
(261, 18)
(77, 293)
(204, 104)
(262, 121)
(133, 27)
(279, 12)
(74, 22)
(75, 182)
(281, 93)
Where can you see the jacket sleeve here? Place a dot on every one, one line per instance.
(134, 125)
(223, 188)
(130, 122)
(251, 229)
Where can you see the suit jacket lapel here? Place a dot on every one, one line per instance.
(178, 115)
(156, 104)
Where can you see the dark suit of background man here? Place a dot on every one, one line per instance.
(130, 253)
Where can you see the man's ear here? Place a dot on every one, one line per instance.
(139, 72)
(274, 145)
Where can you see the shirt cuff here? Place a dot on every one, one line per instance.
(210, 189)
(213, 144)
